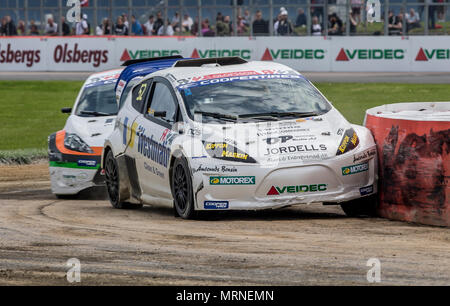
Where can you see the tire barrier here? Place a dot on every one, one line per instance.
(413, 143)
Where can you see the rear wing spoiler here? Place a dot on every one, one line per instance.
(140, 68)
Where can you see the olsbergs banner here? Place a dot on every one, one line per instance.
(363, 53)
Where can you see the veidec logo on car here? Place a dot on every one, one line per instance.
(64, 54)
(19, 56)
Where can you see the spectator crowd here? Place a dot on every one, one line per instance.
(246, 24)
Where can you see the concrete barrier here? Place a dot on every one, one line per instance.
(413, 143)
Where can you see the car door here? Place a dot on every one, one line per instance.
(154, 130)
(129, 132)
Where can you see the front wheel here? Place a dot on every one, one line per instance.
(365, 206)
(183, 197)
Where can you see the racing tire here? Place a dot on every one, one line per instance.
(183, 196)
(366, 206)
(113, 184)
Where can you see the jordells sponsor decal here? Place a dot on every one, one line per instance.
(293, 54)
(432, 54)
(279, 190)
(355, 169)
(207, 53)
(232, 180)
(147, 53)
(370, 54)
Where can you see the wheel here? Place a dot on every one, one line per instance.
(361, 207)
(183, 196)
(113, 184)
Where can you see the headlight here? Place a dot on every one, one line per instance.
(349, 141)
(75, 143)
(225, 151)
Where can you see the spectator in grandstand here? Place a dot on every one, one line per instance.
(82, 27)
(431, 17)
(65, 27)
(51, 28)
(241, 27)
(21, 29)
(125, 20)
(136, 28)
(206, 28)
(316, 28)
(317, 10)
(195, 27)
(356, 10)
(187, 23)
(222, 28)
(158, 23)
(246, 18)
(412, 20)
(169, 30)
(301, 18)
(260, 26)
(120, 28)
(394, 24)
(284, 25)
(353, 22)
(176, 20)
(104, 28)
(440, 10)
(8, 26)
(34, 30)
(148, 26)
(335, 25)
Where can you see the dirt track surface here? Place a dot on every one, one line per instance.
(303, 245)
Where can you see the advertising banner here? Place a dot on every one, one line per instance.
(357, 53)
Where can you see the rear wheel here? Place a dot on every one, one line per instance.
(113, 184)
(183, 197)
(361, 207)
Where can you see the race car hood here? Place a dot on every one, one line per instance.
(302, 139)
(93, 130)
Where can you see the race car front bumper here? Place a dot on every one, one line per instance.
(242, 187)
(71, 171)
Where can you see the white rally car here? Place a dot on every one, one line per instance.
(75, 151)
(227, 134)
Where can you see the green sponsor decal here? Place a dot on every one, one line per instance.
(364, 54)
(244, 53)
(232, 180)
(301, 188)
(298, 53)
(72, 165)
(138, 54)
(355, 169)
(438, 53)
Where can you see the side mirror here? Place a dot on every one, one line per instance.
(66, 110)
(159, 114)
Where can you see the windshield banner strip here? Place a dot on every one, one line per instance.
(240, 78)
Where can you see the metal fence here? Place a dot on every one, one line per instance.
(434, 15)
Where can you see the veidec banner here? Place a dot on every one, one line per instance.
(362, 53)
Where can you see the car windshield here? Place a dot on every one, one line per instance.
(267, 97)
(97, 101)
